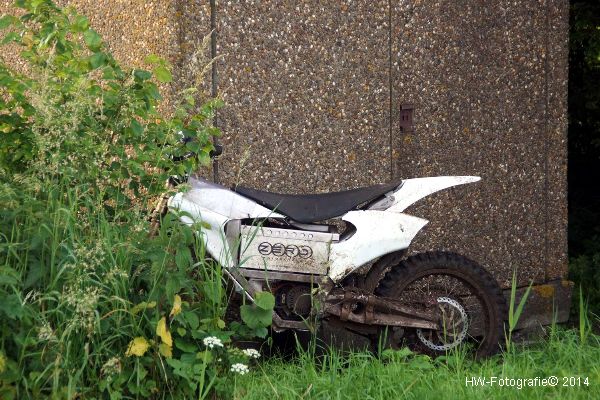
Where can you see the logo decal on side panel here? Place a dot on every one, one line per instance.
(279, 249)
(264, 248)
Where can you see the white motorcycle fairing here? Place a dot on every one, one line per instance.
(380, 230)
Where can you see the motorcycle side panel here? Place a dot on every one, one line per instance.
(377, 233)
(413, 190)
(221, 200)
(285, 250)
(213, 238)
(215, 205)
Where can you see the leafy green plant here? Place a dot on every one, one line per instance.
(258, 315)
(77, 116)
(515, 313)
(92, 306)
(584, 323)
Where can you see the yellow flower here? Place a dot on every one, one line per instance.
(176, 306)
(137, 347)
(163, 332)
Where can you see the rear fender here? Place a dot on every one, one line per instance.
(413, 190)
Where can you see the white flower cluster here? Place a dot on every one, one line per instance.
(240, 368)
(212, 341)
(45, 333)
(83, 302)
(115, 272)
(111, 367)
(88, 258)
(252, 353)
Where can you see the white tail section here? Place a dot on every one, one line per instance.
(413, 190)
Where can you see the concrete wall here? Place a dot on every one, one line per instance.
(313, 92)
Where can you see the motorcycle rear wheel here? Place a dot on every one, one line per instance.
(472, 305)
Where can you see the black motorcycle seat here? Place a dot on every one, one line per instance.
(309, 208)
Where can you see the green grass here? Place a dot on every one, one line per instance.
(400, 374)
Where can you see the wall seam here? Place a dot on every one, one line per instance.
(390, 90)
(214, 83)
(546, 142)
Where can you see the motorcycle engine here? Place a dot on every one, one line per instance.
(293, 300)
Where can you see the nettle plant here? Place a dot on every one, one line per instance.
(92, 306)
(76, 115)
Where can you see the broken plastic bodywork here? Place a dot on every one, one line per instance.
(387, 231)
(378, 231)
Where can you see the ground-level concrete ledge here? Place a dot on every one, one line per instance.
(545, 304)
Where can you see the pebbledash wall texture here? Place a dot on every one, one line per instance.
(314, 92)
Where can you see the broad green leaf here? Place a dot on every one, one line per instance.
(165, 350)
(153, 91)
(174, 285)
(265, 300)
(92, 39)
(192, 319)
(183, 258)
(11, 37)
(204, 355)
(136, 127)
(261, 332)
(142, 74)
(256, 317)
(6, 21)
(163, 74)
(204, 158)
(97, 59)
(401, 354)
(188, 358)
(11, 305)
(8, 280)
(8, 276)
(193, 145)
(153, 59)
(80, 24)
(421, 362)
(108, 73)
(186, 347)
(34, 275)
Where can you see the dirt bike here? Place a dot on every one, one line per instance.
(340, 258)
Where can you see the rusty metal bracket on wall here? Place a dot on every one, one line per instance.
(406, 119)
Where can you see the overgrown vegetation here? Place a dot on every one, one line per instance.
(91, 305)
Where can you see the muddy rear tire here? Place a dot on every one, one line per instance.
(470, 299)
